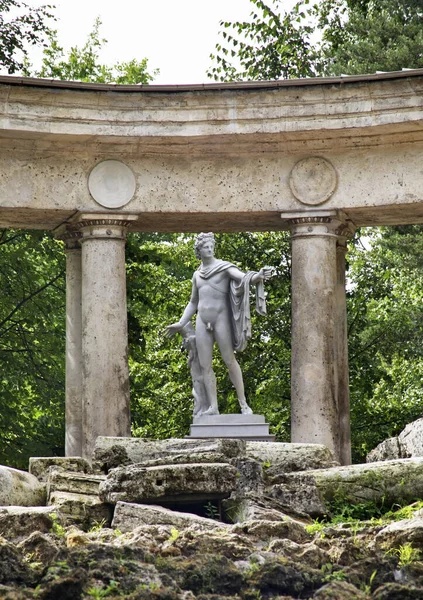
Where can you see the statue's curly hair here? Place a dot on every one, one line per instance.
(201, 239)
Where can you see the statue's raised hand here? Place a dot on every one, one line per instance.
(265, 273)
(170, 330)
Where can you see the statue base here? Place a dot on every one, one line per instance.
(244, 427)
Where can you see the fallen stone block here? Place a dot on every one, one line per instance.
(75, 483)
(280, 457)
(19, 488)
(40, 467)
(18, 522)
(81, 509)
(408, 444)
(185, 482)
(129, 516)
(312, 491)
(111, 452)
(389, 449)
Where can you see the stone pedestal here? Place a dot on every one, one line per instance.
(246, 427)
(319, 369)
(105, 377)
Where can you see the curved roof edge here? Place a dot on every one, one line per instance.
(239, 85)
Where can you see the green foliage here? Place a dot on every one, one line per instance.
(385, 332)
(82, 64)
(332, 573)
(21, 26)
(32, 346)
(371, 35)
(212, 512)
(271, 46)
(97, 592)
(406, 554)
(331, 37)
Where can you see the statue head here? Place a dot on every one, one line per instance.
(202, 238)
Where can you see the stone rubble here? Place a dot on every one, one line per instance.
(87, 542)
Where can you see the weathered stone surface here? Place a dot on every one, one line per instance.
(280, 457)
(17, 522)
(217, 541)
(408, 444)
(39, 547)
(19, 488)
(136, 483)
(254, 508)
(266, 530)
(400, 532)
(389, 449)
(339, 590)
(112, 450)
(76, 483)
(82, 509)
(394, 481)
(41, 467)
(395, 591)
(128, 516)
(410, 439)
(307, 553)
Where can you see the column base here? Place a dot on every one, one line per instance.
(243, 427)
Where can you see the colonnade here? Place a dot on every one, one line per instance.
(97, 378)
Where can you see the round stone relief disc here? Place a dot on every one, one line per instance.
(112, 184)
(313, 180)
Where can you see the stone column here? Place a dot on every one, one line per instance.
(105, 377)
(73, 437)
(314, 384)
(341, 348)
(73, 374)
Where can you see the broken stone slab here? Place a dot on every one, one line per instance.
(19, 488)
(389, 449)
(390, 481)
(262, 530)
(111, 452)
(81, 509)
(408, 444)
(40, 467)
(128, 516)
(282, 457)
(167, 483)
(410, 439)
(18, 522)
(75, 483)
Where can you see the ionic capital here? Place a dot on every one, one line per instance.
(331, 223)
(94, 227)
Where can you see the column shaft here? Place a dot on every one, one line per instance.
(313, 369)
(342, 357)
(73, 386)
(105, 378)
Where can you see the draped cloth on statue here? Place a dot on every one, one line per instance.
(239, 301)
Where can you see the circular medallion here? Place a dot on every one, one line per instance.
(112, 184)
(313, 180)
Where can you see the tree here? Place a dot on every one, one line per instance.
(82, 64)
(332, 37)
(32, 315)
(18, 30)
(364, 36)
(270, 46)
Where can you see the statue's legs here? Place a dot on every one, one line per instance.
(205, 342)
(223, 336)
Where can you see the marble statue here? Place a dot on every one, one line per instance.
(220, 298)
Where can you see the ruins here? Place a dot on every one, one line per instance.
(318, 157)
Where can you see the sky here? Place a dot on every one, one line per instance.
(177, 36)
